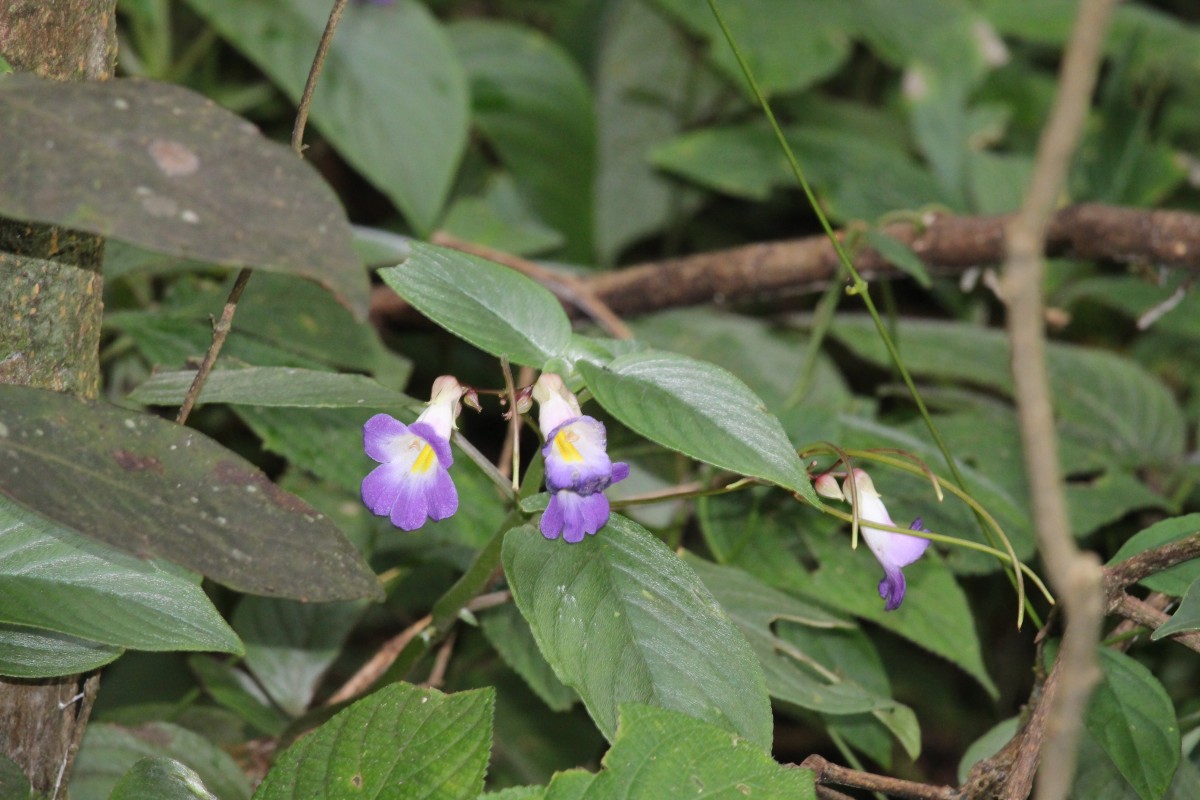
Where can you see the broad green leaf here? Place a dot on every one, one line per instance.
(1099, 397)
(935, 614)
(570, 785)
(237, 691)
(700, 410)
(899, 255)
(791, 675)
(1099, 779)
(54, 578)
(154, 488)
(648, 87)
(746, 161)
(509, 633)
(516, 793)
(392, 99)
(768, 357)
(494, 308)
(109, 751)
(400, 743)
(663, 753)
(1186, 617)
(1178, 579)
(788, 46)
(165, 168)
(806, 663)
(987, 746)
(324, 441)
(160, 779)
(31, 653)
(500, 219)
(290, 645)
(532, 103)
(1133, 719)
(272, 386)
(623, 619)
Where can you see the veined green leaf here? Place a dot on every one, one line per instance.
(622, 619)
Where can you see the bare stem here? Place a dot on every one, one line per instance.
(225, 323)
(826, 773)
(1076, 576)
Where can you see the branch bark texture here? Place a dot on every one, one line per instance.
(50, 308)
(947, 244)
(1076, 576)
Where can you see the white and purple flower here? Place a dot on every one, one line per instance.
(892, 550)
(578, 468)
(412, 482)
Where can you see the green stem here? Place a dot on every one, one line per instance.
(447, 609)
(859, 285)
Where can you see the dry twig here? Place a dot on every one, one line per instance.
(1076, 576)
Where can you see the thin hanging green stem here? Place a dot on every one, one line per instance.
(859, 285)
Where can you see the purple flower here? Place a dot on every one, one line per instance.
(578, 468)
(412, 482)
(892, 550)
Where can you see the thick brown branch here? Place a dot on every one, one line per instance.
(826, 772)
(947, 244)
(1148, 616)
(1148, 562)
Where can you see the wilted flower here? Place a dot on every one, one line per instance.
(578, 468)
(892, 550)
(412, 481)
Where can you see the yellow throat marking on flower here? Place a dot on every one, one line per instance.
(425, 459)
(564, 445)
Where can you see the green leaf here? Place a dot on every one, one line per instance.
(154, 488)
(622, 619)
(237, 691)
(400, 743)
(987, 746)
(788, 46)
(494, 308)
(509, 633)
(325, 442)
(1099, 397)
(571, 784)
(700, 410)
(805, 663)
(54, 578)
(791, 675)
(290, 645)
(500, 219)
(1178, 579)
(935, 614)
(1186, 617)
(899, 255)
(745, 161)
(109, 751)
(30, 653)
(160, 779)
(648, 86)
(163, 167)
(533, 105)
(663, 753)
(392, 99)
(1132, 718)
(272, 386)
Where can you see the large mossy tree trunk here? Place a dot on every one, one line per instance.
(50, 306)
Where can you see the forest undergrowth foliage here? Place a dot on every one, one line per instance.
(416, 471)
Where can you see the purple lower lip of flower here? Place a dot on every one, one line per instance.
(898, 551)
(412, 482)
(574, 515)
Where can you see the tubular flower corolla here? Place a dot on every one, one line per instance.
(578, 468)
(892, 550)
(412, 482)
